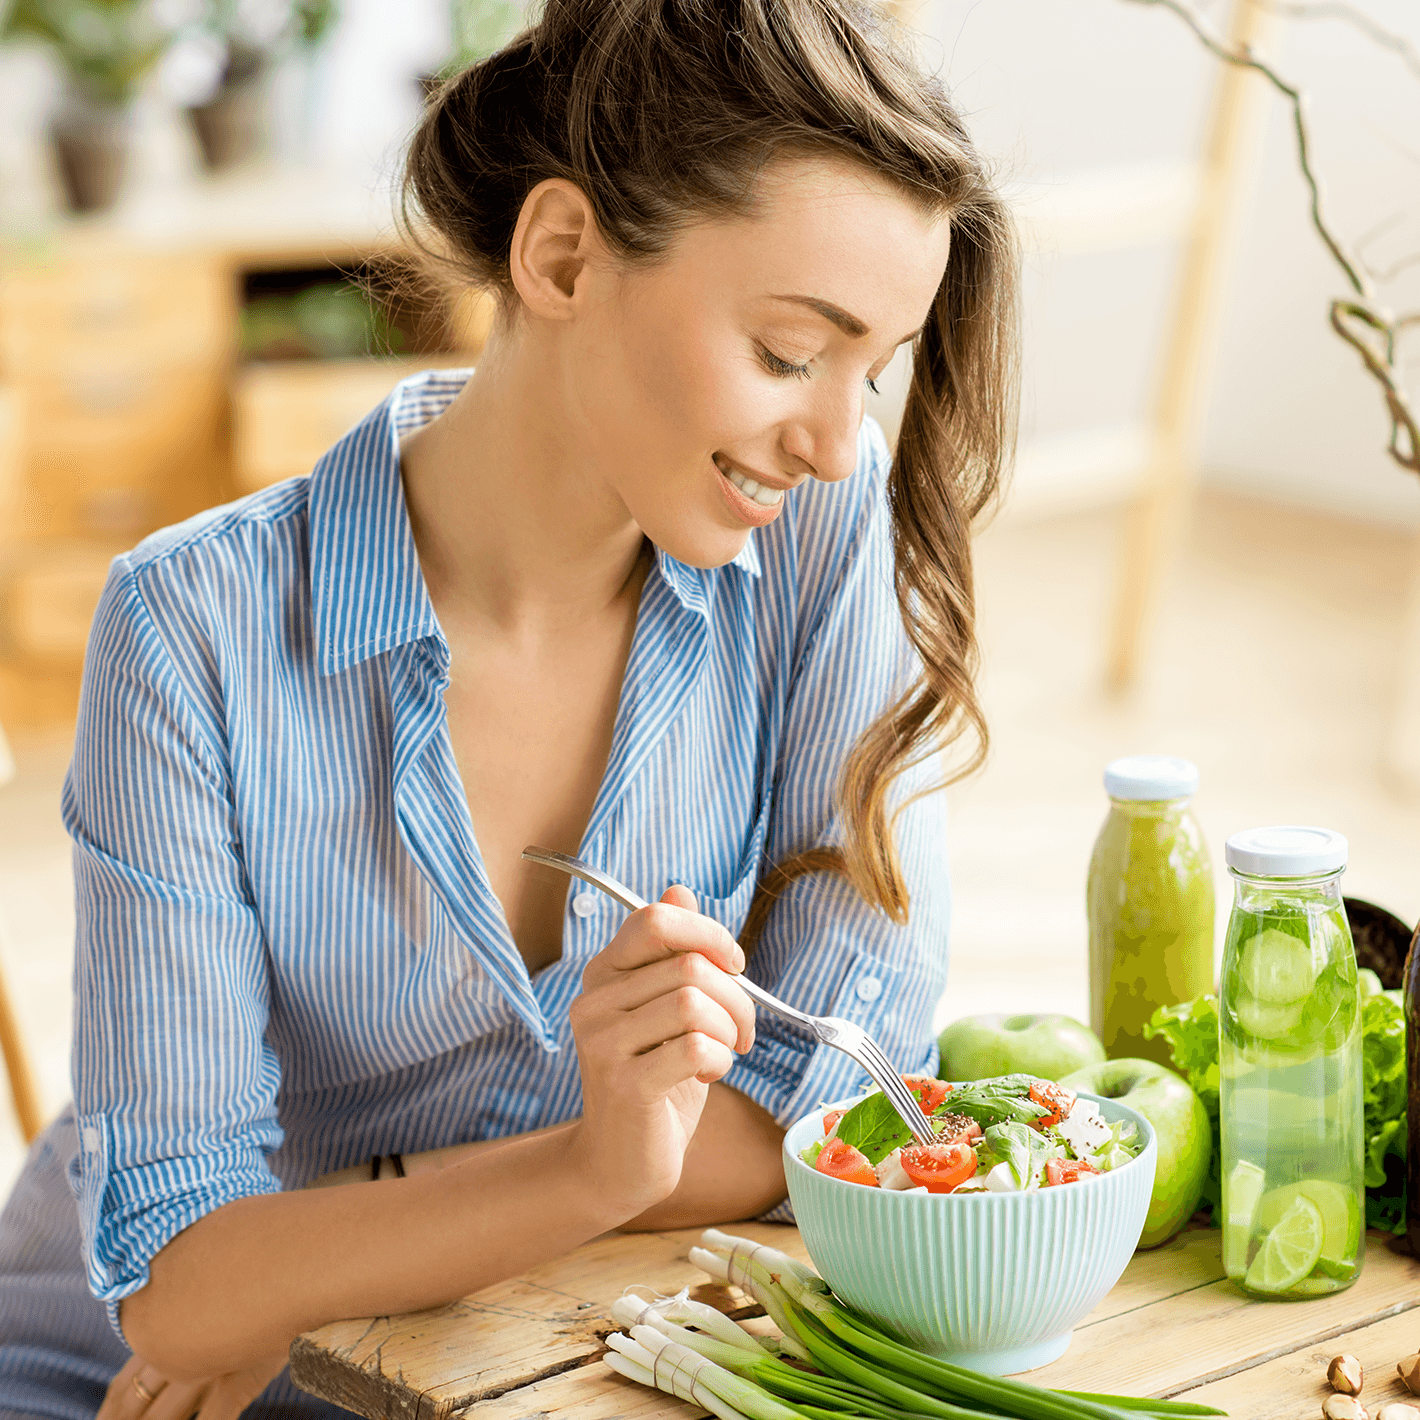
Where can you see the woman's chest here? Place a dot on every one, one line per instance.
(396, 789)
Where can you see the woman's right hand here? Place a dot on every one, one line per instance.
(659, 1019)
(143, 1392)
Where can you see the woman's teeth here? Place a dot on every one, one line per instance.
(767, 496)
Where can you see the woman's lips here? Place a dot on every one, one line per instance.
(756, 514)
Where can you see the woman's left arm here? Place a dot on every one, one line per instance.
(733, 1167)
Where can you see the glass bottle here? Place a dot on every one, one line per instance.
(1293, 1164)
(1150, 896)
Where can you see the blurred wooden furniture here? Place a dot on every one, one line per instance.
(1172, 1326)
(124, 405)
(1160, 512)
(23, 1091)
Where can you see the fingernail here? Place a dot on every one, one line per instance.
(738, 959)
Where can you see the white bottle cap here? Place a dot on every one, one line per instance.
(1286, 851)
(1151, 777)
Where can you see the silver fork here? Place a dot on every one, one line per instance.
(842, 1035)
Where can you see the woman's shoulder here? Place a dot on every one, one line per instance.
(266, 516)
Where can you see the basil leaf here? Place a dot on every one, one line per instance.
(874, 1128)
(1005, 1099)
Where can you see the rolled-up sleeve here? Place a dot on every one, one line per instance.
(174, 1082)
(823, 948)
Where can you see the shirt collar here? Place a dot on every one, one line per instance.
(367, 590)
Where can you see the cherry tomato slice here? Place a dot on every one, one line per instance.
(840, 1160)
(1067, 1170)
(1054, 1098)
(830, 1120)
(955, 1129)
(930, 1092)
(940, 1167)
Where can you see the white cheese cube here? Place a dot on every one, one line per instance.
(891, 1173)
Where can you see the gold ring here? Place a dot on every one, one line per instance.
(144, 1394)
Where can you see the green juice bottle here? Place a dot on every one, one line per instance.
(1293, 1164)
(1150, 896)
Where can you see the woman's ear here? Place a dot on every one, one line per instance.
(555, 236)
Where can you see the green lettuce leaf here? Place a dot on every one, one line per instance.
(1191, 1030)
(1012, 1144)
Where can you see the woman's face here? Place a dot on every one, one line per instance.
(707, 387)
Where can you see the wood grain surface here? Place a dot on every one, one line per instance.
(1172, 1325)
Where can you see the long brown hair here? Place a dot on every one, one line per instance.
(663, 112)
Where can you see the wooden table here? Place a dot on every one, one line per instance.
(1172, 1326)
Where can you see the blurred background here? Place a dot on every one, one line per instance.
(1205, 550)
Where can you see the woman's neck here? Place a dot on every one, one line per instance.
(512, 527)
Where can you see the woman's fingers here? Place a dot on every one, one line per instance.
(694, 1056)
(631, 990)
(154, 1397)
(123, 1401)
(660, 930)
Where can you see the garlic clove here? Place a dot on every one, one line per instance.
(1342, 1407)
(1345, 1375)
(1409, 1371)
(1398, 1410)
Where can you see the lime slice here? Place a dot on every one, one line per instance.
(1241, 1192)
(1267, 1019)
(1340, 1218)
(1277, 967)
(1289, 1251)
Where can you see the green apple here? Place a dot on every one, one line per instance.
(1185, 1140)
(978, 1047)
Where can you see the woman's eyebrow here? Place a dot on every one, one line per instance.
(846, 322)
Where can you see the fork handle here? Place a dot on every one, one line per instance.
(566, 863)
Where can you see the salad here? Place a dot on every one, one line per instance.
(1009, 1134)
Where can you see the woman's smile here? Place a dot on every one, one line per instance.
(754, 500)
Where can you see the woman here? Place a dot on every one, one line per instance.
(640, 587)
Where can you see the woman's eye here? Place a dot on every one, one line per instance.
(776, 366)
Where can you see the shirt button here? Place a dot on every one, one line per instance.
(90, 1136)
(584, 904)
(869, 988)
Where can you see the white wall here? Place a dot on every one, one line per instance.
(1099, 106)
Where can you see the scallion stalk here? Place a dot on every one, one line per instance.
(862, 1352)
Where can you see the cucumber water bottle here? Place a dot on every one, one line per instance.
(1290, 1016)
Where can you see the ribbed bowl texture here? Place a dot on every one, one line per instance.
(994, 1281)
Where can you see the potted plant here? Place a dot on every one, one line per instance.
(105, 49)
(231, 125)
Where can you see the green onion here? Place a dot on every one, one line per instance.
(1139, 1403)
(852, 1346)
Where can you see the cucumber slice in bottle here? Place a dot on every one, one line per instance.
(1242, 1190)
(1277, 967)
(1340, 1216)
(1268, 1020)
(1290, 1251)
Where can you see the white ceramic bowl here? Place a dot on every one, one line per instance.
(994, 1281)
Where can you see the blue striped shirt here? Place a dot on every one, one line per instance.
(289, 956)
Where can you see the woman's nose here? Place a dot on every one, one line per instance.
(825, 435)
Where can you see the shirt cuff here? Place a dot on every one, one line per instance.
(127, 1217)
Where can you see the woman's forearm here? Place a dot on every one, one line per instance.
(733, 1168)
(242, 1282)
(464, 1217)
